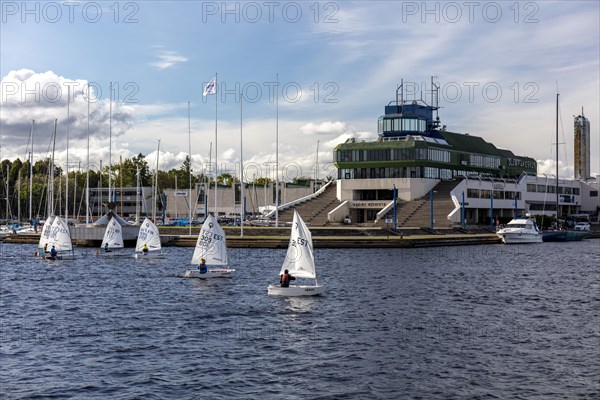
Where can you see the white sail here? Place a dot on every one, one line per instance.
(45, 236)
(60, 237)
(149, 236)
(299, 260)
(211, 244)
(113, 236)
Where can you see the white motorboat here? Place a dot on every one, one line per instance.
(520, 230)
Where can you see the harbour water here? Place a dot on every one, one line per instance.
(470, 322)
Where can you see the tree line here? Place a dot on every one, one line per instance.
(15, 176)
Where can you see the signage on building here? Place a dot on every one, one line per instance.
(517, 162)
(180, 194)
(368, 204)
(498, 186)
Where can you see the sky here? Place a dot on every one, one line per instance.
(311, 75)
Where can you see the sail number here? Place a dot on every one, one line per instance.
(207, 238)
(300, 241)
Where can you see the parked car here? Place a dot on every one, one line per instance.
(582, 226)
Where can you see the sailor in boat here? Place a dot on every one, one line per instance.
(285, 279)
(106, 249)
(145, 249)
(46, 248)
(53, 252)
(202, 266)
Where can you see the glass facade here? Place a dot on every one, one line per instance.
(401, 125)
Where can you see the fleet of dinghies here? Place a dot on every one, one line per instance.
(211, 246)
(211, 250)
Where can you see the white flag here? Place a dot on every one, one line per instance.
(211, 87)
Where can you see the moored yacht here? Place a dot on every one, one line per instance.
(520, 230)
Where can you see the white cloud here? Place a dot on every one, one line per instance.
(168, 59)
(323, 128)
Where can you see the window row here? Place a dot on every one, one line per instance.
(533, 188)
(484, 161)
(498, 194)
(401, 124)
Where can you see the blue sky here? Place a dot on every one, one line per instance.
(499, 65)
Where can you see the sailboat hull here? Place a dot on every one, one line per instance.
(211, 273)
(295, 290)
(563, 236)
(151, 255)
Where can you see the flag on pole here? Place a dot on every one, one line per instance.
(211, 87)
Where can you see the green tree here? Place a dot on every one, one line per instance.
(226, 179)
(262, 181)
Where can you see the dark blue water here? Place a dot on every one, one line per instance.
(475, 322)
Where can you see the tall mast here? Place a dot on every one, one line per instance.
(557, 206)
(87, 178)
(67, 164)
(109, 143)
(31, 174)
(51, 185)
(155, 185)
(137, 193)
(277, 152)
(216, 153)
(242, 196)
(190, 166)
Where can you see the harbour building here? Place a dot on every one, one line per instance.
(453, 178)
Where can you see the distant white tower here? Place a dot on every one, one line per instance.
(582, 147)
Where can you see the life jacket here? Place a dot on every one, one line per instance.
(285, 279)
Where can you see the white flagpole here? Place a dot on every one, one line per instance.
(190, 153)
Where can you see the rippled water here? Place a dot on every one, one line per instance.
(474, 322)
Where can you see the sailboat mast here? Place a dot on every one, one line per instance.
(557, 206)
(31, 174)
(87, 178)
(277, 153)
(51, 185)
(67, 164)
(190, 166)
(155, 185)
(216, 162)
(109, 143)
(137, 193)
(243, 197)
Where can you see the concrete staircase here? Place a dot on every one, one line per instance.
(314, 211)
(416, 213)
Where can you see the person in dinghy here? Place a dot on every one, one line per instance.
(285, 278)
(202, 266)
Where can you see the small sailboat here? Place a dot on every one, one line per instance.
(45, 236)
(299, 262)
(113, 237)
(212, 247)
(60, 239)
(148, 242)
